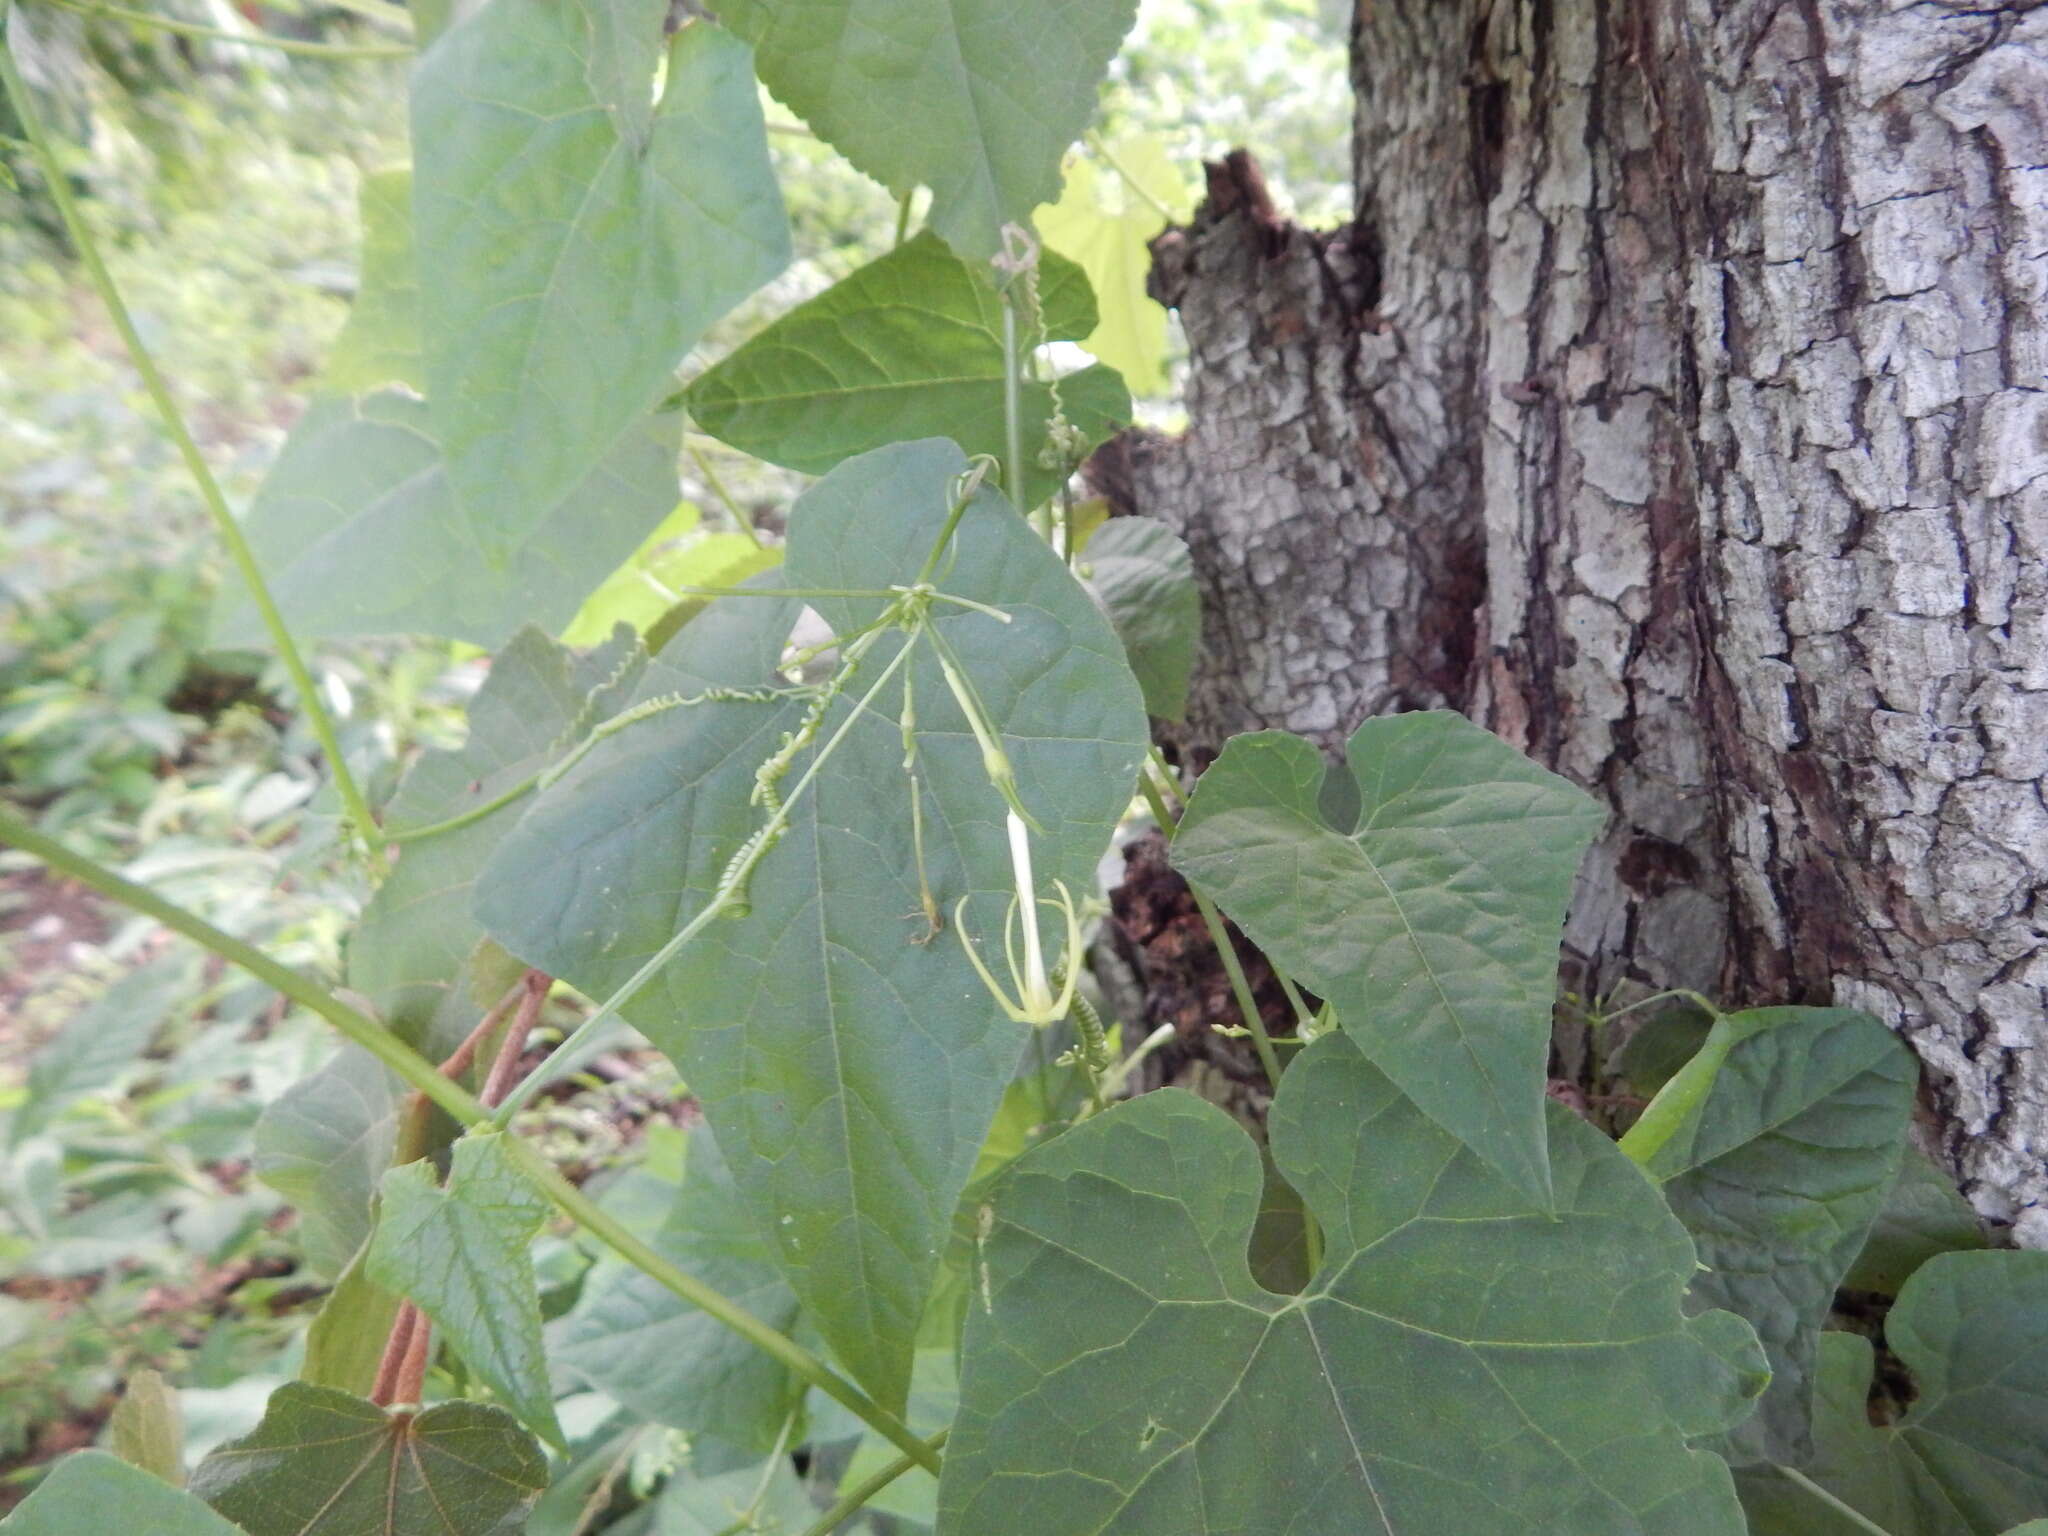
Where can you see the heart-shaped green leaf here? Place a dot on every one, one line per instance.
(1145, 576)
(1785, 1137)
(462, 1255)
(849, 1061)
(710, 1381)
(976, 99)
(576, 239)
(1970, 1457)
(1463, 1361)
(909, 346)
(324, 1463)
(1432, 923)
(358, 533)
(92, 1493)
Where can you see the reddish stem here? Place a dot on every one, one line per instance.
(505, 1070)
(396, 1345)
(412, 1374)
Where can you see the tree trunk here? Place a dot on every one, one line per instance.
(1674, 405)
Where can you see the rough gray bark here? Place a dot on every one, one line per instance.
(1676, 406)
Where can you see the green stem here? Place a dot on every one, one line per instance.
(1013, 414)
(352, 800)
(421, 1074)
(1304, 1016)
(1113, 1083)
(903, 213)
(1854, 1516)
(223, 35)
(539, 1078)
(856, 1498)
(732, 506)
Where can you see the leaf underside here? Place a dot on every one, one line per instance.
(92, 1494)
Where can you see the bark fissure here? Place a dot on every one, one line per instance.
(1696, 441)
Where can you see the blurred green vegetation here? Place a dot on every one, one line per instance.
(222, 181)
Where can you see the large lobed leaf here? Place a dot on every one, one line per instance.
(462, 1255)
(1103, 222)
(1431, 922)
(1970, 1457)
(1785, 1137)
(976, 99)
(576, 239)
(849, 1070)
(325, 1463)
(909, 346)
(1463, 1362)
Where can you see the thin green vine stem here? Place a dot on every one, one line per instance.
(357, 808)
(713, 909)
(1013, 411)
(1848, 1512)
(302, 46)
(423, 1075)
(856, 1498)
(731, 504)
(903, 214)
(1240, 988)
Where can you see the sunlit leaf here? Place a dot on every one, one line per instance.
(94, 1494)
(1432, 923)
(976, 99)
(345, 1342)
(677, 554)
(1463, 1362)
(849, 1062)
(1145, 576)
(710, 1381)
(146, 1430)
(1970, 1456)
(575, 239)
(325, 1463)
(909, 346)
(462, 1254)
(1106, 225)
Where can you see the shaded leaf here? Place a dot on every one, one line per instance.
(325, 1463)
(1791, 1136)
(323, 1144)
(711, 1381)
(934, 1399)
(575, 243)
(408, 951)
(976, 99)
(380, 344)
(849, 1071)
(91, 1493)
(1922, 1215)
(1106, 226)
(462, 1254)
(1970, 1457)
(146, 1430)
(358, 532)
(909, 346)
(1464, 1361)
(757, 1501)
(1432, 925)
(1142, 571)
